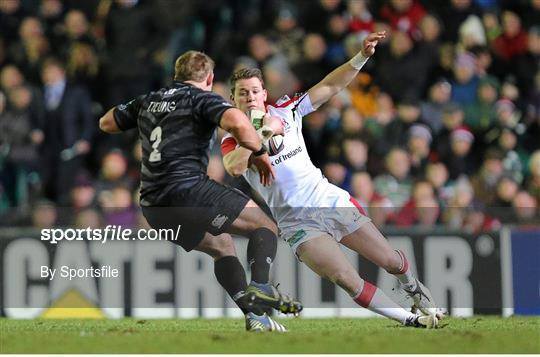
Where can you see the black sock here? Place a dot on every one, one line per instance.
(261, 252)
(231, 276)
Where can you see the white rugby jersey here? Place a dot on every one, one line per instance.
(298, 183)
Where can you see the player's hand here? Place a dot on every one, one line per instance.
(266, 171)
(265, 133)
(371, 41)
(275, 123)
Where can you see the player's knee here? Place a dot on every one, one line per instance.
(219, 247)
(270, 225)
(253, 218)
(224, 247)
(346, 278)
(263, 221)
(391, 262)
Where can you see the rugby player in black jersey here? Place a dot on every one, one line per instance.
(177, 126)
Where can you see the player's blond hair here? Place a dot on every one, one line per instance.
(193, 66)
(245, 73)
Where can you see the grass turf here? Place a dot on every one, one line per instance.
(480, 334)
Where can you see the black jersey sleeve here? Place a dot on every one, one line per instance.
(210, 106)
(125, 115)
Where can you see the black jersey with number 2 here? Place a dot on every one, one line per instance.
(177, 127)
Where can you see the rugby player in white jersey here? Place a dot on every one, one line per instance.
(313, 215)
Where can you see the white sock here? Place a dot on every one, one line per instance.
(374, 299)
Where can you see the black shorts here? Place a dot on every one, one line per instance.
(205, 207)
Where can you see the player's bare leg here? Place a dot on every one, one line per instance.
(254, 223)
(370, 243)
(217, 247)
(324, 256)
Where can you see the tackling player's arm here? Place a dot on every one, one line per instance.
(340, 78)
(121, 118)
(108, 124)
(236, 160)
(238, 124)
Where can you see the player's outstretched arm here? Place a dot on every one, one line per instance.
(340, 77)
(108, 124)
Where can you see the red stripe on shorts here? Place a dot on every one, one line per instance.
(357, 205)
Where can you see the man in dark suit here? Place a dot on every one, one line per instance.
(68, 129)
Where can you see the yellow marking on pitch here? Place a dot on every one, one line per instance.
(73, 305)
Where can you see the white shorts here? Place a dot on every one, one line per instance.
(334, 212)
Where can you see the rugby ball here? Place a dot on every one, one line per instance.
(274, 145)
(256, 116)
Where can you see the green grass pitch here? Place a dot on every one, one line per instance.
(480, 334)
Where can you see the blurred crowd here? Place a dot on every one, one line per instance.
(442, 126)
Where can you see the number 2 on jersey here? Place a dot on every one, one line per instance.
(155, 136)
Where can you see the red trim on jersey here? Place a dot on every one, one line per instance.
(283, 105)
(365, 297)
(358, 205)
(405, 266)
(228, 145)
